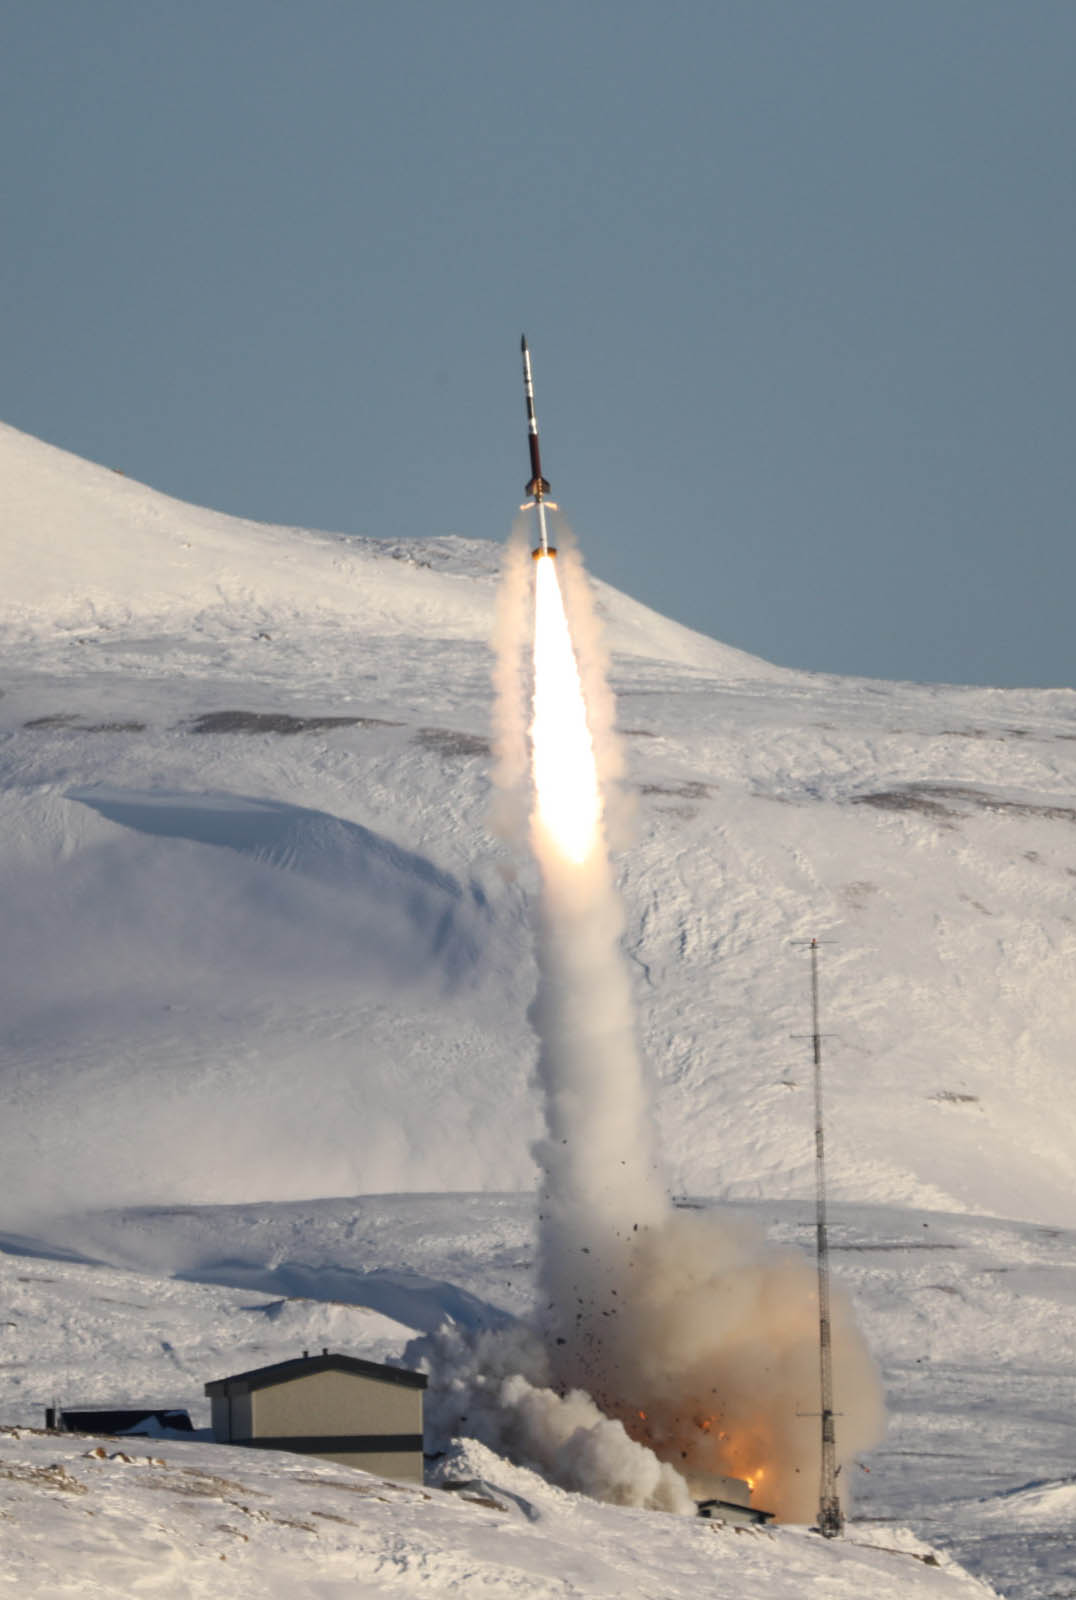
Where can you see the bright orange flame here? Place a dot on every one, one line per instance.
(733, 1453)
(565, 775)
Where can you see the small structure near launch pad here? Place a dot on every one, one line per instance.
(728, 1500)
(338, 1407)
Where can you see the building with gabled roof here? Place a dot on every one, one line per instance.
(338, 1407)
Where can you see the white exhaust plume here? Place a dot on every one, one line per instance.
(513, 686)
(588, 643)
(667, 1345)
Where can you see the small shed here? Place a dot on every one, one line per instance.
(113, 1420)
(722, 1499)
(732, 1512)
(338, 1407)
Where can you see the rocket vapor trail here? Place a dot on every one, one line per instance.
(666, 1345)
(598, 1156)
(567, 809)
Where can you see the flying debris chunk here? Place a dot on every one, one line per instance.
(538, 487)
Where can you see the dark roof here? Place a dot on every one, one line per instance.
(286, 1371)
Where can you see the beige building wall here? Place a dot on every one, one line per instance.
(332, 1403)
(320, 1413)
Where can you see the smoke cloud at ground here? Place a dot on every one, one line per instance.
(498, 1386)
(666, 1345)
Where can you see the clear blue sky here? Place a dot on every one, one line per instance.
(798, 277)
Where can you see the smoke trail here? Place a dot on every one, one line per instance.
(684, 1334)
(594, 669)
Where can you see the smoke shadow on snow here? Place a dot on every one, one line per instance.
(440, 916)
(410, 1298)
(33, 1249)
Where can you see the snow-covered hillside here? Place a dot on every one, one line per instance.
(259, 942)
(259, 947)
(164, 1519)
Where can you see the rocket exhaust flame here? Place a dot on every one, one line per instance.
(568, 807)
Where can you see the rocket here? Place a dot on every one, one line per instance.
(538, 486)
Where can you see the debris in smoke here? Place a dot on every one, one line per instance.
(496, 1387)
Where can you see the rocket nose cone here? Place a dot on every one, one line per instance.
(523, 344)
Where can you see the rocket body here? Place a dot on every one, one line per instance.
(538, 486)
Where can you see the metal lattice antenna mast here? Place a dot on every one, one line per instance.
(830, 1516)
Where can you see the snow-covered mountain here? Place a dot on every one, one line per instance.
(260, 944)
(260, 948)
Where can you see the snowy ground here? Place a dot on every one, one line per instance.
(89, 1518)
(970, 1319)
(259, 946)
